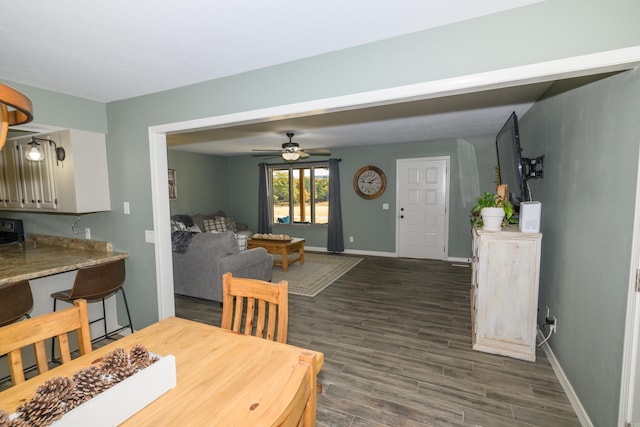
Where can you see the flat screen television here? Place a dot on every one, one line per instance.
(510, 160)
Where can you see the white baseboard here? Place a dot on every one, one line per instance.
(353, 251)
(566, 384)
(459, 260)
(382, 254)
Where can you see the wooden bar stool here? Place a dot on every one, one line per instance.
(93, 283)
(16, 301)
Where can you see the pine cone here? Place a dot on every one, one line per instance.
(42, 409)
(89, 383)
(18, 422)
(114, 361)
(123, 373)
(4, 418)
(139, 356)
(59, 386)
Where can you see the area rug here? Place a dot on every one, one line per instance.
(317, 272)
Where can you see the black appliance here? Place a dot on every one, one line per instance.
(11, 231)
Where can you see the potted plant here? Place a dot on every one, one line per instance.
(491, 212)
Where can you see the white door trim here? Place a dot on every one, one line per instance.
(613, 60)
(628, 384)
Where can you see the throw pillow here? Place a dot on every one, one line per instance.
(231, 224)
(219, 223)
(242, 241)
(208, 225)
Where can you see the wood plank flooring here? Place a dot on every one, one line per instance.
(396, 338)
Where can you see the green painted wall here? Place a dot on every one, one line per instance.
(202, 183)
(589, 136)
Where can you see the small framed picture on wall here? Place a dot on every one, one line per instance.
(173, 187)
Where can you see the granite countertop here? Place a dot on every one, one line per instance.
(46, 255)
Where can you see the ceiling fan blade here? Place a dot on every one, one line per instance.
(318, 151)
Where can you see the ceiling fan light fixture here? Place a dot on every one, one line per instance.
(290, 155)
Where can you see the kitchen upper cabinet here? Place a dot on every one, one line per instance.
(78, 184)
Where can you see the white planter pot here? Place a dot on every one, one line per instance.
(492, 218)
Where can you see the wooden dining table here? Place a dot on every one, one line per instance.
(221, 375)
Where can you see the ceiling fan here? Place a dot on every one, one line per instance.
(291, 151)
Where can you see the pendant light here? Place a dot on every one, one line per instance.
(21, 113)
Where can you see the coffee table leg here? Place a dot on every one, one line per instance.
(301, 254)
(285, 259)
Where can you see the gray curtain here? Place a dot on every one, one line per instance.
(264, 207)
(335, 239)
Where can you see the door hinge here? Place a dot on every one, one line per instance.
(638, 280)
(627, 424)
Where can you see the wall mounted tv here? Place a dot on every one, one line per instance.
(510, 160)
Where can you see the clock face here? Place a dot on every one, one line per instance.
(369, 182)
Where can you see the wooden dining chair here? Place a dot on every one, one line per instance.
(36, 330)
(16, 301)
(241, 298)
(295, 405)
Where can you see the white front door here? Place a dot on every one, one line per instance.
(423, 200)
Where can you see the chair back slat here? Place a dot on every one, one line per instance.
(35, 331)
(268, 320)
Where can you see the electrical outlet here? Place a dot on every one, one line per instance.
(87, 233)
(350, 239)
(548, 313)
(554, 326)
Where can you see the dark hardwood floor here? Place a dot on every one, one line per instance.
(396, 338)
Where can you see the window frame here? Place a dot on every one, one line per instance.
(291, 167)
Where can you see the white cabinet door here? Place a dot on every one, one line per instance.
(10, 175)
(506, 276)
(37, 182)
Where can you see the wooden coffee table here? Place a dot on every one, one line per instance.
(282, 248)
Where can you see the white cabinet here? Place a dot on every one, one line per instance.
(504, 292)
(78, 184)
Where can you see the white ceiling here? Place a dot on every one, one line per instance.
(118, 49)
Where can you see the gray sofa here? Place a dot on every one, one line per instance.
(198, 271)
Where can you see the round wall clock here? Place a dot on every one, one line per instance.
(369, 182)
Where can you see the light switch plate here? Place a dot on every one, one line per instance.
(149, 236)
(385, 206)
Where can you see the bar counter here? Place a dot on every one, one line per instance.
(43, 256)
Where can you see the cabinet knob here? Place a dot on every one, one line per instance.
(401, 216)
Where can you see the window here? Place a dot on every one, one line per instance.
(300, 193)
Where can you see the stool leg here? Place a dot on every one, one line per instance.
(104, 319)
(53, 339)
(126, 306)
